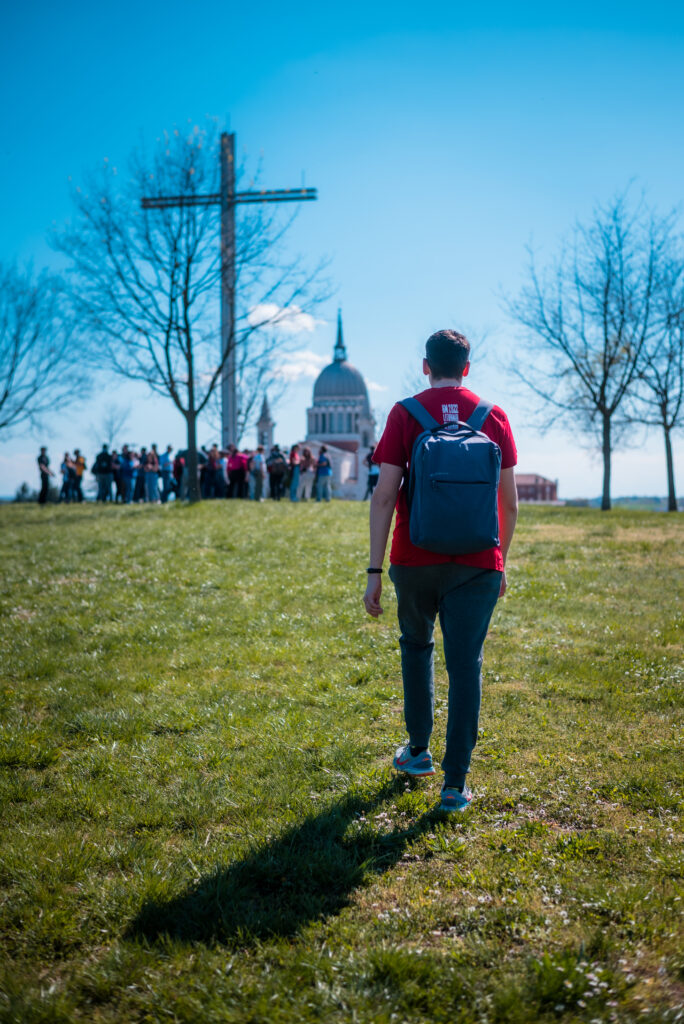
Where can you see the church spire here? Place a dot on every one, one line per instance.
(265, 411)
(340, 353)
(265, 425)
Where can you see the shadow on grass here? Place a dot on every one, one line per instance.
(307, 873)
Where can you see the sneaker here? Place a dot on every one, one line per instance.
(455, 799)
(417, 766)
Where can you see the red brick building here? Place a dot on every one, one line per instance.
(532, 487)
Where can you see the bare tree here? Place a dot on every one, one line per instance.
(589, 320)
(113, 422)
(40, 370)
(660, 401)
(146, 282)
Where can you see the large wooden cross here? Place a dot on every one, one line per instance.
(228, 199)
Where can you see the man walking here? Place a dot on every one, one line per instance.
(152, 476)
(257, 471)
(323, 475)
(295, 462)
(45, 474)
(102, 469)
(80, 466)
(462, 588)
(166, 469)
(277, 468)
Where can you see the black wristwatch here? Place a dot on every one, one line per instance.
(372, 571)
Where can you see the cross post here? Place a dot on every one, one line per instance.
(227, 199)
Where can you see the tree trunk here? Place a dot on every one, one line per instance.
(671, 491)
(193, 476)
(605, 500)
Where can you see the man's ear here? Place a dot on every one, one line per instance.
(426, 368)
(466, 369)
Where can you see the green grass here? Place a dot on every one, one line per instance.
(199, 822)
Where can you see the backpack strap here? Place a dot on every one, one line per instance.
(480, 413)
(420, 413)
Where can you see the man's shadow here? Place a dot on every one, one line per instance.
(307, 873)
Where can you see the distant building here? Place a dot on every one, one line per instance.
(532, 487)
(341, 418)
(265, 426)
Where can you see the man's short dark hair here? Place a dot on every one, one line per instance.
(447, 353)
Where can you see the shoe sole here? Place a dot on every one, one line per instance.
(454, 810)
(414, 775)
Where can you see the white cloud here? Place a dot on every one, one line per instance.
(372, 386)
(301, 365)
(286, 319)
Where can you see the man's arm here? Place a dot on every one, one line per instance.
(508, 515)
(382, 504)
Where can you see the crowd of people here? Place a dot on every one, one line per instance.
(129, 476)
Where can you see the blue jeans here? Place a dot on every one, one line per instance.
(104, 486)
(323, 488)
(167, 485)
(152, 486)
(464, 597)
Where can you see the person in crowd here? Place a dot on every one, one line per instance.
(213, 477)
(323, 475)
(202, 461)
(102, 470)
(246, 456)
(68, 473)
(152, 476)
(257, 473)
(185, 479)
(276, 465)
(128, 468)
(236, 472)
(79, 469)
(223, 471)
(295, 464)
(139, 489)
(117, 476)
(166, 469)
(45, 474)
(178, 466)
(373, 473)
(306, 465)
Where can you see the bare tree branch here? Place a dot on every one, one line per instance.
(40, 358)
(113, 422)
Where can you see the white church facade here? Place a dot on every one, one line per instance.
(341, 418)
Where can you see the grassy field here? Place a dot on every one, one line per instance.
(199, 820)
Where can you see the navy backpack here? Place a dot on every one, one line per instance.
(453, 483)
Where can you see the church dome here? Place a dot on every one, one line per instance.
(340, 379)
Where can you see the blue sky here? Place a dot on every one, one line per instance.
(442, 142)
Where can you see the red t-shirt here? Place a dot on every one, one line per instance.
(446, 404)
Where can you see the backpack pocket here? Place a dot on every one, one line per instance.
(460, 518)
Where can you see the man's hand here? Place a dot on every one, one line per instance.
(371, 598)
